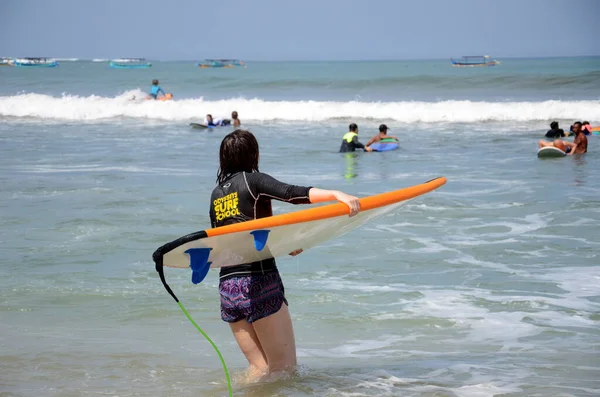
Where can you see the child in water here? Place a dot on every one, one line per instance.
(253, 299)
(155, 90)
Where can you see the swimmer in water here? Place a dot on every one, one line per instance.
(210, 122)
(253, 300)
(586, 128)
(579, 145)
(234, 119)
(155, 90)
(382, 135)
(350, 141)
(554, 132)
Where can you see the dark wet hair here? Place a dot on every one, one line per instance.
(353, 127)
(234, 114)
(209, 115)
(554, 125)
(155, 82)
(239, 152)
(577, 122)
(586, 123)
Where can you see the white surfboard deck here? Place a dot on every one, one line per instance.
(237, 248)
(279, 235)
(550, 152)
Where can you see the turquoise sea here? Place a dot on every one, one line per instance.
(489, 286)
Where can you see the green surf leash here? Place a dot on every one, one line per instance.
(158, 260)
(213, 345)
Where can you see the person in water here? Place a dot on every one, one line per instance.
(554, 132)
(209, 122)
(382, 135)
(579, 145)
(252, 294)
(350, 141)
(235, 121)
(155, 90)
(586, 128)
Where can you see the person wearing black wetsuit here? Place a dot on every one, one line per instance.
(554, 132)
(350, 141)
(252, 294)
(244, 196)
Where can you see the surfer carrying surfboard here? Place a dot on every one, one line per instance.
(252, 294)
(579, 145)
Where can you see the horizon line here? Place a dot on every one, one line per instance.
(68, 58)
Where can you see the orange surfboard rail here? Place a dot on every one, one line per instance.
(331, 210)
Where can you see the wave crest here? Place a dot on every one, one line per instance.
(132, 104)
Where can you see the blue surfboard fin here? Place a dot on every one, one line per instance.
(260, 238)
(199, 263)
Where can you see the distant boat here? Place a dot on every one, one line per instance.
(129, 63)
(475, 60)
(35, 62)
(7, 62)
(220, 63)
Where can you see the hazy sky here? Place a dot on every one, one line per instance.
(298, 30)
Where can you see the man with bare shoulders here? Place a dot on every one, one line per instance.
(579, 145)
(234, 119)
(382, 135)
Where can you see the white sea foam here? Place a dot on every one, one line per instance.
(91, 108)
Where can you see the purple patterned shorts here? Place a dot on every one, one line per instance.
(251, 297)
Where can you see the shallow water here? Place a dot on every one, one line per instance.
(488, 286)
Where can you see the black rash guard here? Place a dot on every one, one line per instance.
(555, 133)
(245, 196)
(351, 146)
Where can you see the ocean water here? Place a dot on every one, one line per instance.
(489, 286)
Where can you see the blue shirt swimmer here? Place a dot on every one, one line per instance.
(155, 89)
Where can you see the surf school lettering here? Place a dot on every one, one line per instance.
(226, 206)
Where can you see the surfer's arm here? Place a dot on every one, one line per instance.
(357, 143)
(320, 195)
(372, 141)
(573, 147)
(265, 185)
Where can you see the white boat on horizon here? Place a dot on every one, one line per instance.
(35, 62)
(129, 63)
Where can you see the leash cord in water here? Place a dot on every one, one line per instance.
(213, 345)
(159, 268)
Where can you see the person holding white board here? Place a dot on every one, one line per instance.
(252, 294)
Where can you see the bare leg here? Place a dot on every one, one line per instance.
(542, 143)
(249, 344)
(276, 336)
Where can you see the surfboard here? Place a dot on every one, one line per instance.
(224, 123)
(385, 145)
(166, 97)
(550, 152)
(200, 126)
(278, 235)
